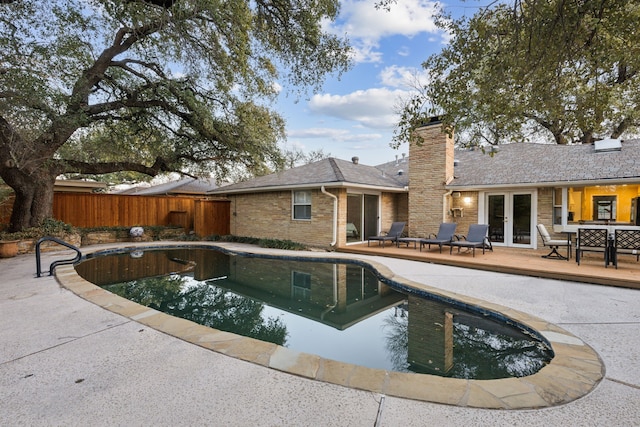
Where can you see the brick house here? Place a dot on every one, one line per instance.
(512, 188)
(327, 203)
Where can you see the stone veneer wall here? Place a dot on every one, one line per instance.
(545, 214)
(393, 208)
(431, 168)
(269, 215)
(469, 211)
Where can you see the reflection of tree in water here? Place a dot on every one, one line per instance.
(398, 338)
(478, 353)
(204, 304)
(483, 354)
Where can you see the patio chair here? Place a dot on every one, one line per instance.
(476, 238)
(352, 231)
(626, 242)
(554, 244)
(394, 233)
(445, 236)
(593, 240)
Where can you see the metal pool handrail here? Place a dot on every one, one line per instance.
(59, 262)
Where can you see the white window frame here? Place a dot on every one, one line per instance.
(305, 202)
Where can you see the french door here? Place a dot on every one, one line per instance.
(510, 216)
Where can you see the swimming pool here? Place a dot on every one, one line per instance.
(336, 309)
(575, 370)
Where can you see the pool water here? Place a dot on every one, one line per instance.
(337, 310)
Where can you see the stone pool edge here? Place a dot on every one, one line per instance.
(574, 372)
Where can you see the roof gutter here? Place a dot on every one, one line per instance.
(335, 214)
(582, 183)
(221, 190)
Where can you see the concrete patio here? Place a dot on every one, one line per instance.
(66, 361)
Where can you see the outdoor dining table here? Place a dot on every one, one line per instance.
(570, 234)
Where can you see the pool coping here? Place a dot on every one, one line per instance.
(575, 370)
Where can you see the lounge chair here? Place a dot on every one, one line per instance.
(553, 244)
(445, 236)
(476, 238)
(396, 230)
(352, 231)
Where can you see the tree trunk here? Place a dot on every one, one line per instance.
(33, 202)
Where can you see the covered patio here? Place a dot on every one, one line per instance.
(527, 262)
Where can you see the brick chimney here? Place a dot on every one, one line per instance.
(430, 169)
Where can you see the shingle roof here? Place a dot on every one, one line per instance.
(525, 163)
(511, 165)
(181, 186)
(329, 172)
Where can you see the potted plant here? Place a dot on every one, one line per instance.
(8, 244)
(8, 248)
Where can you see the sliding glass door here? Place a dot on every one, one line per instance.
(362, 216)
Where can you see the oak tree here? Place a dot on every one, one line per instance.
(561, 71)
(150, 86)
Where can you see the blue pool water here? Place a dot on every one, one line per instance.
(335, 309)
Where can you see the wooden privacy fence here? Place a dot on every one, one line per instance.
(204, 217)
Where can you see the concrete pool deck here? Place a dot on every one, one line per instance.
(66, 361)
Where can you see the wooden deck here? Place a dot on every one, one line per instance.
(526, 262)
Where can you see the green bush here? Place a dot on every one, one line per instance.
(49, 227)
(264, 243)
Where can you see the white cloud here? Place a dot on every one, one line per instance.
(404, 51)
(372, 108)
(333, 134)
(410, 17)
(365, 25)
(407, 78)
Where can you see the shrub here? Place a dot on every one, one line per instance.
(49, 227)
(264, 243)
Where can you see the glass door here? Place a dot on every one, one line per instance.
(354, 218)
(495, 217)
(362, 216)
(370, 225)
(510, 218)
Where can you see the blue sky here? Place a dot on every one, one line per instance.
(354, 116)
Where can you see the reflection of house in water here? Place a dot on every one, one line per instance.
(430, 335)
(338, 295)
(202, 264)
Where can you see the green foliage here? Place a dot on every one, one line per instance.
(264, 243)
(49, 227)
(281, 244)
(204, 304)
(534, 70)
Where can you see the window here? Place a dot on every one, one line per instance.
(302, 205)
(557, 206)
(604, 208)
(301, 285)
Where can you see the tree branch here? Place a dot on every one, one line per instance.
(74, 166)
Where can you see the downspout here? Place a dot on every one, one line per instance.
(444, 200)
(335, 215)
(335, 293)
